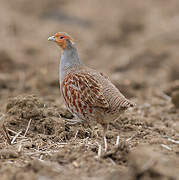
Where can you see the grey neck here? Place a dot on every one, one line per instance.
(69, 60)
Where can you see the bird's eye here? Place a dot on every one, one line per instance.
(61, 37)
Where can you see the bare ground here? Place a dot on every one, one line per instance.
(135, 44)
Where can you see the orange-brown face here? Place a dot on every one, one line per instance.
(60, 38)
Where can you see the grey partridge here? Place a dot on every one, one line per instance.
(88, 94)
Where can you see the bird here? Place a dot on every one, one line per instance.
(88, 94)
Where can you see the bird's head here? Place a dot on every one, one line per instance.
(62, 39)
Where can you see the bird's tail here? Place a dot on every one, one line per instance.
(126, 104)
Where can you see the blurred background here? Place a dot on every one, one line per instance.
(136, 43)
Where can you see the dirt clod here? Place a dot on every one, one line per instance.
(8, 154)
(175, 98)
(151, 165)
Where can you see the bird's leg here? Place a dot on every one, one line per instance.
(105, 144)
(99, 150)
(105, 128)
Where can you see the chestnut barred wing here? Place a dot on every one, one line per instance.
(82, 91)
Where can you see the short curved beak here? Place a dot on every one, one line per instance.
(51, 38)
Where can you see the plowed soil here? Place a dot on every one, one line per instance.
(135, 43)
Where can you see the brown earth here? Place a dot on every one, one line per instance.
(135, 44)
